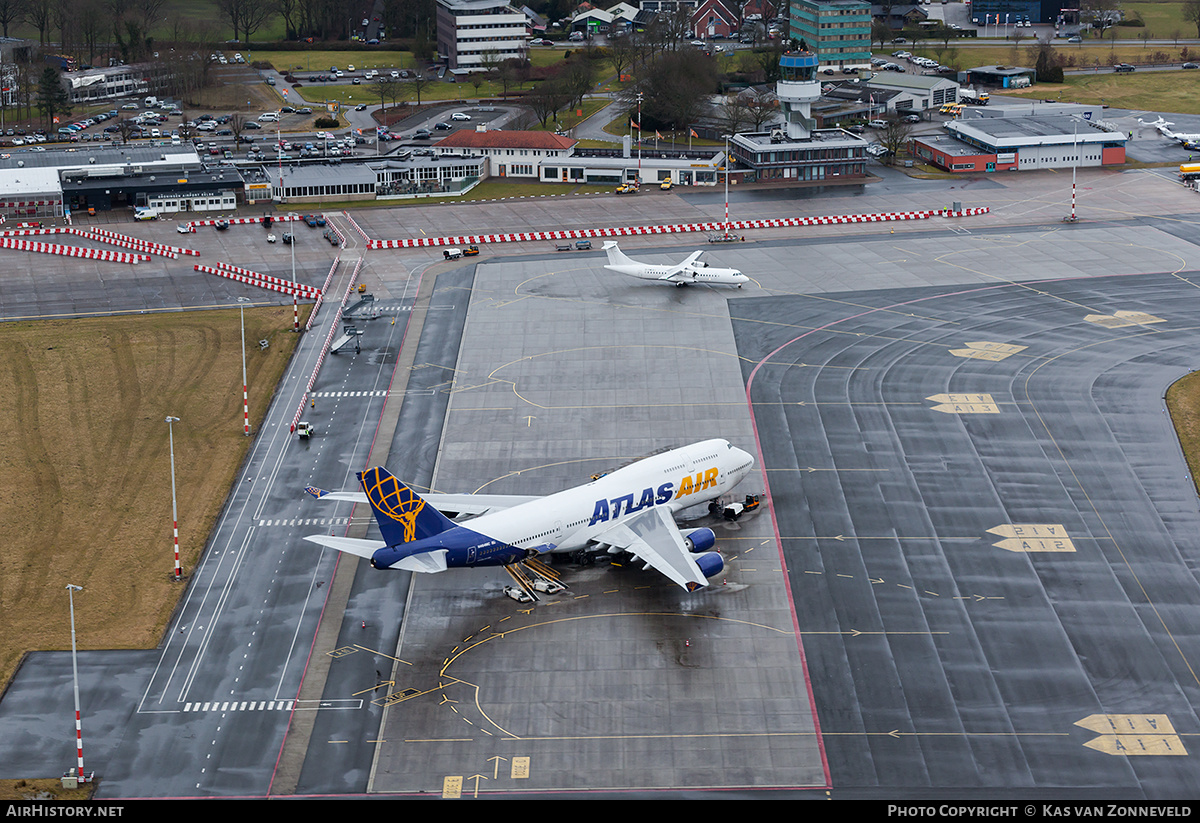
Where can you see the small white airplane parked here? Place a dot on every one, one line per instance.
(628, 510)
(1161, 124)
(689, 271)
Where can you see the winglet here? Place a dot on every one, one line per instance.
(315, 492)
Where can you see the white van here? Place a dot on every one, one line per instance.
(268, 117)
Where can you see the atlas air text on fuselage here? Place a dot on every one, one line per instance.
(611, 508)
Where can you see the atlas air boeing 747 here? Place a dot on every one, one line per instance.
(690, 271)
(628, 510)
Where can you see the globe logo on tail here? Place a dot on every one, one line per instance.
(394, 500)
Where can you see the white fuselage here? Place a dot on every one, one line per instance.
(572, 519)
(697, 273)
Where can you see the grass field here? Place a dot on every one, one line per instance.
(1142, 91)
(87, 492)
(1183, 403)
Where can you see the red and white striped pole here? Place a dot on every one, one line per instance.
(71, 589)
(242, 301)
(174, 509)
(295, 293)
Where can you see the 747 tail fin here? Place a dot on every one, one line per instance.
(402, 514)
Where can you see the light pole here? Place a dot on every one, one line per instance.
(174, 508)
(71, 589)
(242, 301)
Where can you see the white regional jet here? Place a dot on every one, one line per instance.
(628, 510)
(1181, 137)
(689, 271)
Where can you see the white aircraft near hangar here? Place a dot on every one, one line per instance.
(628, 510)
(688, 272)
(1162, 125)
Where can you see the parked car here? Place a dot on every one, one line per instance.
(912, 118)
(458, 115)
(878, 124)
(421, 134)
(443, 127)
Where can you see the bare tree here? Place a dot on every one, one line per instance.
(895, 137)
(11, 11)
(762, 106)
(622, 54)
(385, 88)
(734, 113)
(548, 98)
(39, 13)
(1191, 13)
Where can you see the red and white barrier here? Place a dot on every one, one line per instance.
(305, 290)
(154, 248)
(32, 232)
(241, 221)
(734, 225)
(125, 244)
(357, 227)
(72, 251)
(250, 281)
(333, 328)
(312, 316)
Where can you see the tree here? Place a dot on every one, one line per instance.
(52, 95)
(246, 16)
(622, 54)
(1045, 62)
(734, 113)
(895, 137)
(385, 87)
(125, 128)
(11, 11)
(881, 32)
(547, 98)
(37, 14)
(762, 106)
(675, 89)
(419, 83)
(578, 77)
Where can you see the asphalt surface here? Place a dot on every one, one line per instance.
(868, 639)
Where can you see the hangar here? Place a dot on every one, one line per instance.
(1021, 143)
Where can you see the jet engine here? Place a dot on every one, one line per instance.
(699, 540)
(710, 563)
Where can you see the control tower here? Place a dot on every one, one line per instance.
(797, 89)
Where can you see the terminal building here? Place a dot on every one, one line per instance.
(100, 177)
(797, 150)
